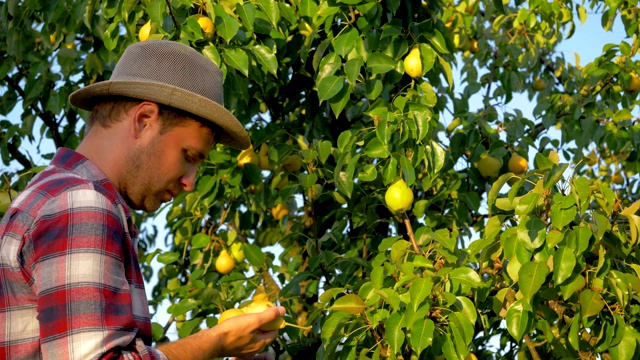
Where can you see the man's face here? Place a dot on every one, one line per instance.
(165, 166)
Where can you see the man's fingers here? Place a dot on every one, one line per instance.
(265, 356)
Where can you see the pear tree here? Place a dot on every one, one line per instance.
(535, 257)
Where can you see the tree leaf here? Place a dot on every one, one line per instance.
(421, 335)
(563, 263)
(379, 63)
(437, 40)
(350, 303)
(267, 58)
(254, 255)
(237, 59)
(517, 320)
(466, 276)
(226, 26)
(329, 86)
(531, 277)
(591, 303)
(393, 331)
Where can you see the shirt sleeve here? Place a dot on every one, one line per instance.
(82, 282)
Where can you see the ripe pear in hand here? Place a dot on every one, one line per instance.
(224, 262)
(413, 63)
(398, 196)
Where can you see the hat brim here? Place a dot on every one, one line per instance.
(234, 135)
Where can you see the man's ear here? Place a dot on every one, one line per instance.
(145, 119)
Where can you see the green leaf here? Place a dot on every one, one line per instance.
(531, 277)
(379, 63)
(267, 58)
(408, 170)
(226, 26)
(345, 42)
(591, 303)
(271, 9)
(437, 40)
(517, 320)
(200, 240)
(254, 255)
(393, 331)
(368, 173)
(350, 303)
(447, 71)
(554, 175)
(376, 149)
(168, 257)
(562, 217)
(421, 335)
(324, 150)
(329, 86)
(626, 348)
(466, 276)
(563, 263)
(573, 284)
(334, 323)
(419, 290)
(247, 13)
(237, 59)
(352, 69)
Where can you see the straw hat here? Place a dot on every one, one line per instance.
(172, 74)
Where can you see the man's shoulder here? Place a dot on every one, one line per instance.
(57, 183)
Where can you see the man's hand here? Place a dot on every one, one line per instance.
(239, 337)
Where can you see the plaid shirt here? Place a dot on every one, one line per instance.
(70, 281)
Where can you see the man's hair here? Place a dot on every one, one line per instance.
(110, 110)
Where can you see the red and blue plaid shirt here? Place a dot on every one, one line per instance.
(70, 281)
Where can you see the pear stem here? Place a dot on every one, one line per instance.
(407, 224)
(297, 326)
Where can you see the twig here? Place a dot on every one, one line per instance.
(532, 348)
(407, 223)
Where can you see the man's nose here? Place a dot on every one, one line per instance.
(188, 180)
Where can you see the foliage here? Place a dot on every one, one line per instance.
(546, 263)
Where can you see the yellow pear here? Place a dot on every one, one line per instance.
(263, 157)
(473, 46)
(539, 84)
(617, 178)
(554, 157)
(247, 156)
(413, 63)
(592, 158)
(489, 166)
(518, 164)
(145, 31)
(228, 314)
(254, 189)
(260, 297)
(292, 163)
(260, 306)
(398, 196)
(206, 25)
(279, 211)
(224, 262)
(634, 85)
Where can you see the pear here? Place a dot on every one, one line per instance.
(145, 31)
(292, 163)
(224, 262)
(518, 164)
(489, 166)
(247, 156)
(280, 211)
(398, 196)
(413, 63)
(260, 306)
(228, 314)
(263, 157)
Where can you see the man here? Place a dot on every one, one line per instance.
(70, 282)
